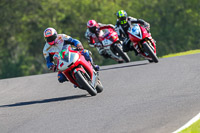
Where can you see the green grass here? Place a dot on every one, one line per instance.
(194, 128)
(182, 53)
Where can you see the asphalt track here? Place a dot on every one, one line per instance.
(138, 97)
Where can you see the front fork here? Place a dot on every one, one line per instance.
(138, 45)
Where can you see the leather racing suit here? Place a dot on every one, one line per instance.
(60, 41)
(122, 29)
(93, 38)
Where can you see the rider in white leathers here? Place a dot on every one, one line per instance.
(55, 43)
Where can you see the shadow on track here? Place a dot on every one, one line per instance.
(45, 101)
(118, 67)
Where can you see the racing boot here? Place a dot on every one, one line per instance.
(96, 67)
(75, 86)
(61, 77)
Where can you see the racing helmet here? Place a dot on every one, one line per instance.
(92, 26)
(50, 35)
(122, 16)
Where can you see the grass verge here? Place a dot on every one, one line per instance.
(182, 53)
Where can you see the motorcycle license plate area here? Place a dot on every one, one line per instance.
(135, 31)
(106, 42)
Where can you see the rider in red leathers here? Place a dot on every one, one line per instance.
(93, 33)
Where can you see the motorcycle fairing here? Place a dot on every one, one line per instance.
(67, 59)
(135, 31)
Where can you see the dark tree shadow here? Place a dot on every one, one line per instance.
(118, 67)
(45, 101)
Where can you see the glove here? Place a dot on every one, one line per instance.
(147, 26)
(53, 68)
(79, 47)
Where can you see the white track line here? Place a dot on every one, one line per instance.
(193, 120)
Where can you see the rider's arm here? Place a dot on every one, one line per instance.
(47, 56)
(91, 40)
(140, 21)
(72, 41)
(106, 26)
(117, 29)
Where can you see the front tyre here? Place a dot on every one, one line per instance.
(82, 81)
(124, 55)
(150, 52)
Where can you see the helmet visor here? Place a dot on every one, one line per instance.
(123, 20)
(51, 39)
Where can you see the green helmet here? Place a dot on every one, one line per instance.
(122, 16)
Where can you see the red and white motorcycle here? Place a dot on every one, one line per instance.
(143, 42)
(111, 46)
(78, 71)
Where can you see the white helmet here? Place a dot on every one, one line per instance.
(50, 35)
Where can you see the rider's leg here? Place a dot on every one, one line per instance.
(88, 56)
(131, 48)
(128, 46)
(125, 45)
(61, 77)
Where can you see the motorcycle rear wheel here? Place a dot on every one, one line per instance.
(150, 52)
(82, 81)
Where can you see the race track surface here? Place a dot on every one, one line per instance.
(138, 97)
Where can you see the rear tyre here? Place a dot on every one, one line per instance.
(83, 82)
(99, 86)
(124, 56)
(150, 52)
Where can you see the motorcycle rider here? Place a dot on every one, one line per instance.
(93, 33)
(122, 25)
(55, 43)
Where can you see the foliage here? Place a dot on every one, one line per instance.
(175, 25)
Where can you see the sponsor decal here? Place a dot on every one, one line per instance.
(59, 40)
(48, 48)
(48, 32)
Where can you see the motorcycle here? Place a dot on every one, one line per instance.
(143, 42)
(111, 46)
(78, 71)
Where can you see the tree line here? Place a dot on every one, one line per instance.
(175, 25)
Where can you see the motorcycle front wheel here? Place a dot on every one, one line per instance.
(83, 82)
(124, 55)
(150, 52)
